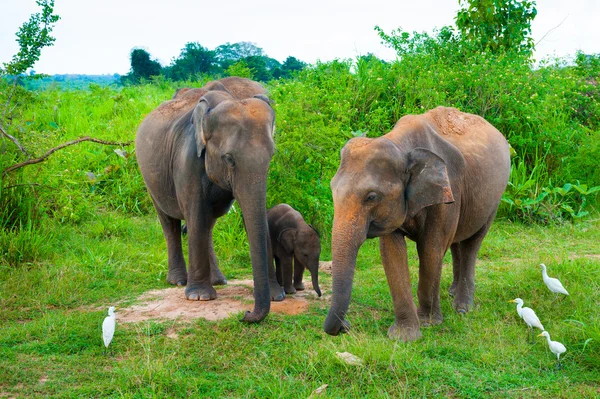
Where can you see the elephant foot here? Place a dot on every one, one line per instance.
(290, 290)
(200, 292)
(462, 303)
(299, 286)
(404, 333)
(177, 277)
(217, 278)
(429, 318)
(277, 292)
(452, 289)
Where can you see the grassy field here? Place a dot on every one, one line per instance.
(52, 310)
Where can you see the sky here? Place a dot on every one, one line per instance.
(96, 37)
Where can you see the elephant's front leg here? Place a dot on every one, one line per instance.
(298, 274)
(276, 290)
(287, 271)
(199, 286)
(395, 263)
(431, 252)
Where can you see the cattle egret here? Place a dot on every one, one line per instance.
(552, 283)
(108, 326)
(555, 347)
(529, 316)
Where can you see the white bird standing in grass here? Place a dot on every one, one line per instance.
(553, 284)
(529, 316)
(555, 347)
(108, 326)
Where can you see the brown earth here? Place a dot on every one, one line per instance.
(237, 296)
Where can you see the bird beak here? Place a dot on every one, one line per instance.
(539, 335)
(512, 300)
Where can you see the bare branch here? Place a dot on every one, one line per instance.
(551, 30)
(60, 147)
(14, 140)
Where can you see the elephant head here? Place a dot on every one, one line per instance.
(305, 243)
(378, 187)
(235, 138)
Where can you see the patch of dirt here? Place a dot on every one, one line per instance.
(237, 296)
(325, 267)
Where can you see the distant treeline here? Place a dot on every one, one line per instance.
(70, 81)
(238, 59)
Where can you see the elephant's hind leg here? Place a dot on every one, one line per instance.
(172, 230)
(216, 276)
(455, 248)
(465, 286)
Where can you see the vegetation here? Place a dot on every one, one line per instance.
(78, 232)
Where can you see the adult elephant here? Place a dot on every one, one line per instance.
(197, 153)
(436, 178)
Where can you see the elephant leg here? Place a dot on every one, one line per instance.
(430, 275)
(298, 275)
(455, 248)
(199, 286)
(177, 274)
(275, 288)
(395, 264)
(465, 287)
(216, 276)
(287, 269)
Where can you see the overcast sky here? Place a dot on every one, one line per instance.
(96, 37)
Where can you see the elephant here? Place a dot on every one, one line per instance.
(295, 245)
(436, 178)
(197, 153)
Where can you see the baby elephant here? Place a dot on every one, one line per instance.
(293, 239)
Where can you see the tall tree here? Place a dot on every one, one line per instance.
(497, 25)
(142, 67)
(194, 59)
(228, 54)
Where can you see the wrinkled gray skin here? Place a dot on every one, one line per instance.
(197, 153)
(436, 178)
(295, 246)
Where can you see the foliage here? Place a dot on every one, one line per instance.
(228, 54)
(142, 67)
(240, 69)
(32, 37)
(193, 61)
(497, 25)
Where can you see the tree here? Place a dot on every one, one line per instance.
(497, 25)
(289, 67)
(228, 54)
(142, 67)
(240, 69)
(194, 59)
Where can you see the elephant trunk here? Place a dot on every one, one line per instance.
(346, 240)
(252, 200)
(314, 272)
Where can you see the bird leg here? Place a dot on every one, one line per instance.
(558, 365)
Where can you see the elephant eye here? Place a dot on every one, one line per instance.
(372, 196)
(228, 159)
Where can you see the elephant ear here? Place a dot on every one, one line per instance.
(287, 239)
(264, 98)
(429, 183)
(206, 103)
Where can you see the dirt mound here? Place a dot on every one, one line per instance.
(170, 303)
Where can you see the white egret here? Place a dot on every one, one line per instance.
(529, 316)
(555, 347)
(553, 284)
(108, 326)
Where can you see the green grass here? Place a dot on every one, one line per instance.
(53, 307)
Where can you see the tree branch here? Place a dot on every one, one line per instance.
(14, 140)
(60, 147)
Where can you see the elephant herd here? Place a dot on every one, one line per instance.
(436, 178)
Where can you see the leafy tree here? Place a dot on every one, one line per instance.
(497, 25)
(32, 37)
(240, 69)
(258, 65)
(142, 67)
(228, 54)
(194, 59)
